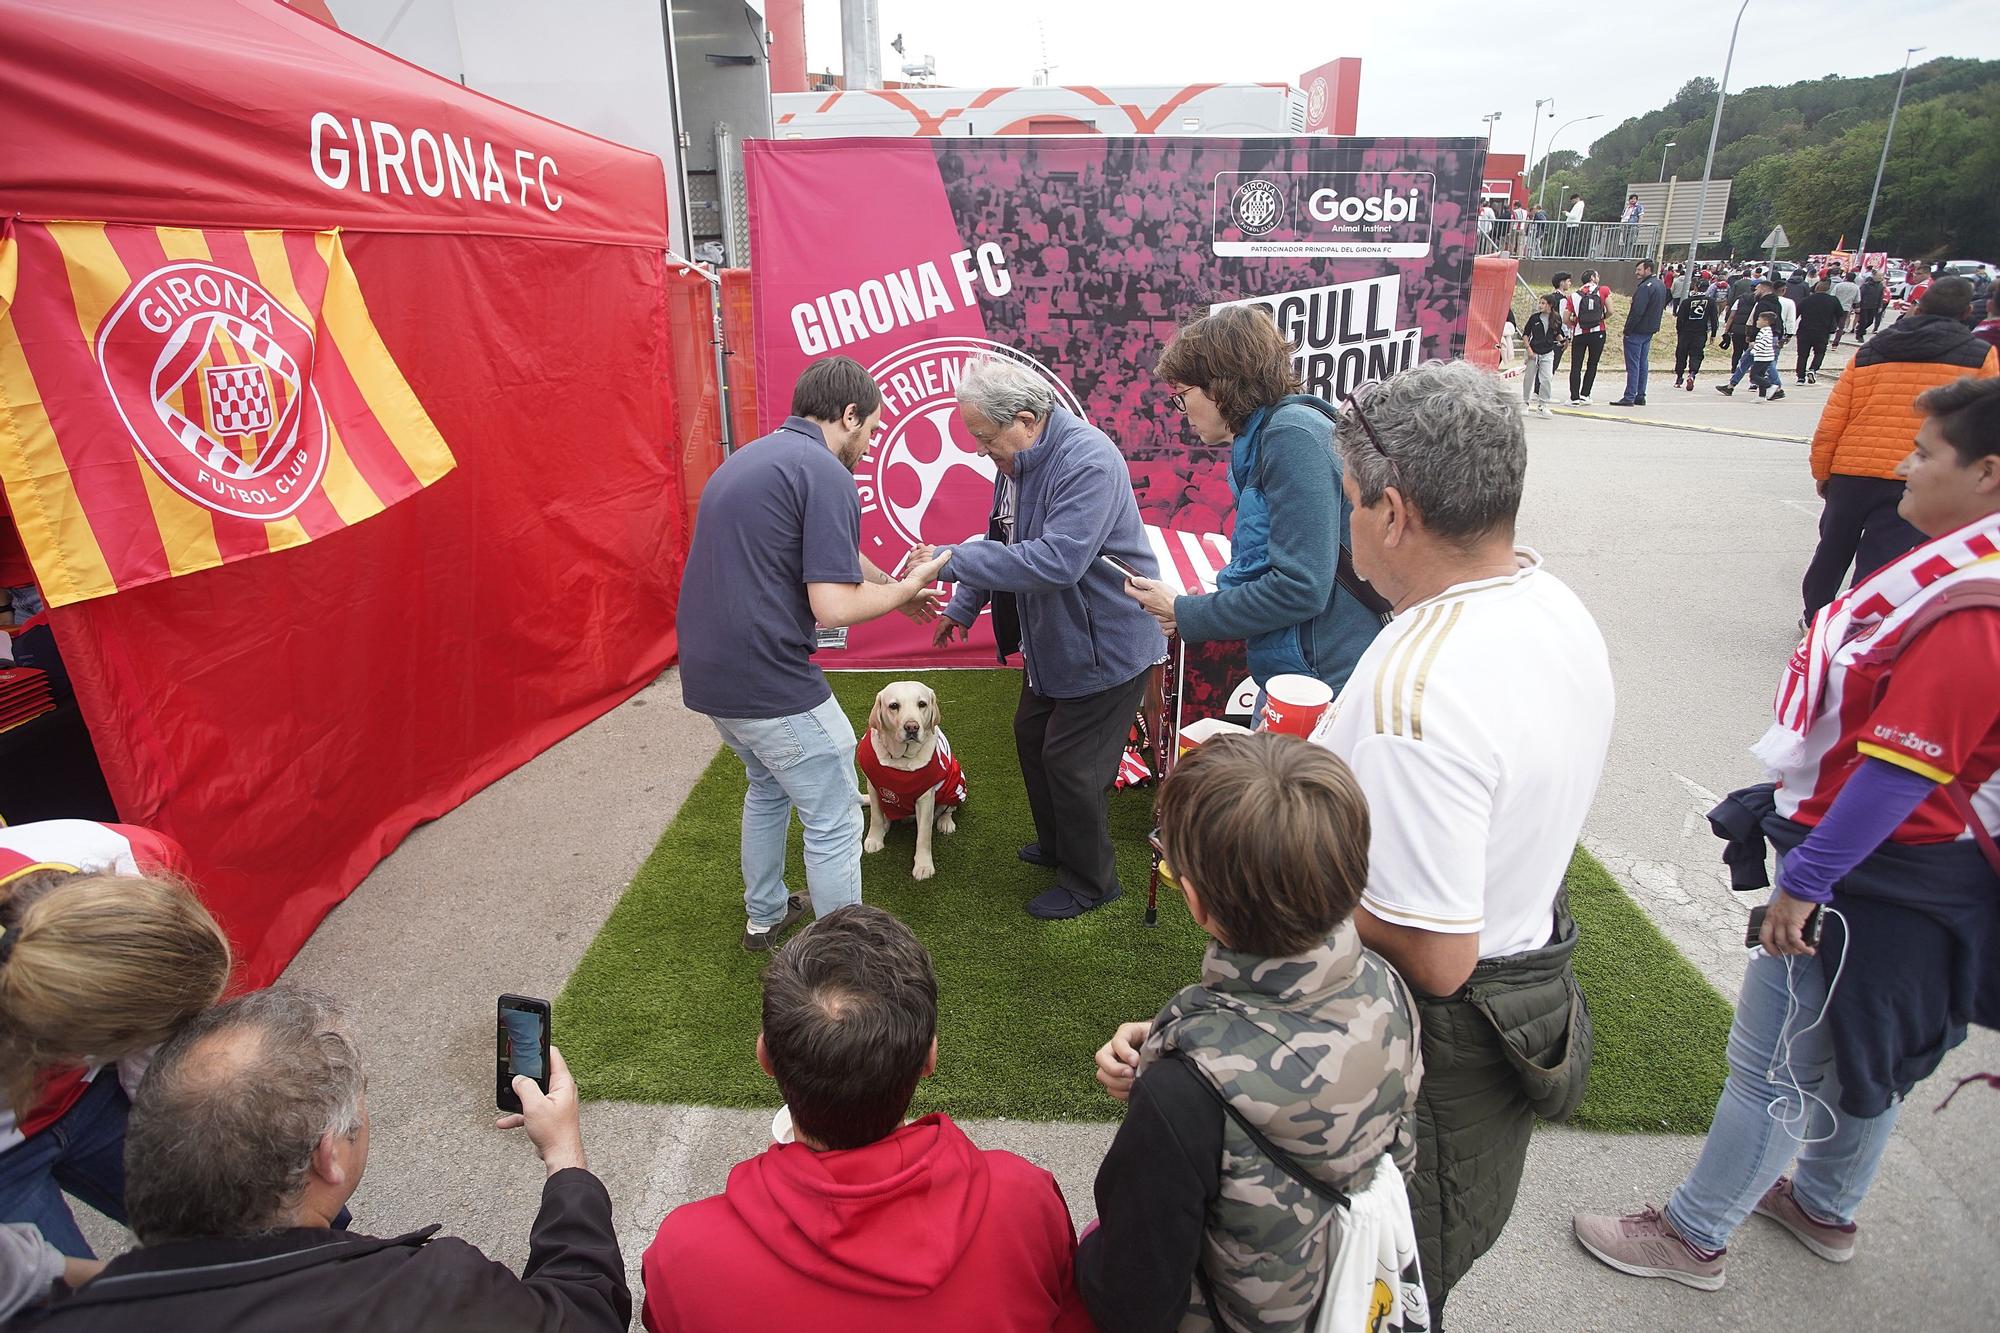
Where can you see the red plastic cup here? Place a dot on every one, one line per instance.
(1294, 704)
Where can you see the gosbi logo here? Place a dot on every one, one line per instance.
(924, 474)
(1316, 102)
(209, 372)
(1258, 206)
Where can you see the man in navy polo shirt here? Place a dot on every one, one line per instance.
(776, 549)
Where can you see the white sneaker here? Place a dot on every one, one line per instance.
(1584, 401)
(1543, 411)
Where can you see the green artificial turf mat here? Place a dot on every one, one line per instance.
(1661, 1029)
(664, 1005)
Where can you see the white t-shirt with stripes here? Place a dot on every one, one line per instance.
(1477, 725)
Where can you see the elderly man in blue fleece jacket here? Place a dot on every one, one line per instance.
(1062, 499)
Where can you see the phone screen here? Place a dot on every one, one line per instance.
(521, 1047)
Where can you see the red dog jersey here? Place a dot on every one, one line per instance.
(897, 789)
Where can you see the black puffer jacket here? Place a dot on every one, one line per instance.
(1514, 1044)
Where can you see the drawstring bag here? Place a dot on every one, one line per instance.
(1373, 1284)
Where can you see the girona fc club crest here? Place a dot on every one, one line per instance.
(1258, 206)
(212, 376)
(924, 481)
(1316, 102)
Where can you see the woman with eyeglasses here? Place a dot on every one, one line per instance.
(1288, 589)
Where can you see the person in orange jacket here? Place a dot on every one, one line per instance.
(1866, 430)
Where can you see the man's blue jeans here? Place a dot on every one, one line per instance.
(803, 762)
(1747, 1150)
(83, 1153)
(1637, 350)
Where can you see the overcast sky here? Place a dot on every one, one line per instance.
(1430, 67)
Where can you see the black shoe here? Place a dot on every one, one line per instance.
(1725, 388)
(1623, 402)
(1776, 394)
(1812, 377)
(760, 941)
(1035, 856)
(1062, 902)
(1638, 402)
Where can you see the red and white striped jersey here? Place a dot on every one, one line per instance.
(1931, 709)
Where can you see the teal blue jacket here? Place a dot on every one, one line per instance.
(1279, 592)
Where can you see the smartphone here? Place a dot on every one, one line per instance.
(1756, 927)
(1124, 570)
(520, 1046)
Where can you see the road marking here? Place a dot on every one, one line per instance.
(1682, 425)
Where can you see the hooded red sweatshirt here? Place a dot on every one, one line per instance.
(918, 1231)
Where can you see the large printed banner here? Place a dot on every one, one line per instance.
(1080, 256)
(174, 399)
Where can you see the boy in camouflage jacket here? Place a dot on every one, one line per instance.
(1309, 1035)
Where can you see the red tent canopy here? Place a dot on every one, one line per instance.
(288, 718)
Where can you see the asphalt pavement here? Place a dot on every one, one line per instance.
(1686, 537)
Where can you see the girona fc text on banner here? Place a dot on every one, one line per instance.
(173, 399)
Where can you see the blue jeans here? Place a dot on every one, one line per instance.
(1746, 1149)
(83, 1153)
(804, 762)
(1637, 350)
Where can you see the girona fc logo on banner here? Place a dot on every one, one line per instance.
(924, 480)
(212, 376)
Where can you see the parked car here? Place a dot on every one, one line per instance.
(1980, 274)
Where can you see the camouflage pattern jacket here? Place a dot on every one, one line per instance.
(1320, 1053)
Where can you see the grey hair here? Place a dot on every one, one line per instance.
(1456, 451)
(997, 387)
(222, 1133)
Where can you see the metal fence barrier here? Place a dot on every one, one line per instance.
(1557, 239)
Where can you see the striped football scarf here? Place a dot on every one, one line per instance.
(1871, 621)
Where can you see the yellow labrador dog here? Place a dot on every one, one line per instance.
(909, 769)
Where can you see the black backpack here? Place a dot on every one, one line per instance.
(1589, 310)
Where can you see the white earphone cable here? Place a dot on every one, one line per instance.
(1796, 1120)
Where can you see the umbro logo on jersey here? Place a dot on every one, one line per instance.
(1909, 740)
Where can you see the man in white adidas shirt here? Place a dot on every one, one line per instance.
(1476, 724)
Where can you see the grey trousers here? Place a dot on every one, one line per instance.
(1069, 750)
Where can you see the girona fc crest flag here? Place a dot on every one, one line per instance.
(173, 399)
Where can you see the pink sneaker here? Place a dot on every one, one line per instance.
(1645, 1244)
(1830, 1241)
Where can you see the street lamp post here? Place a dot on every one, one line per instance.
(1883, 164)
(1542, 198)
(1663, 158)
(1708, 166)
(1535, 130)
(1489, 119)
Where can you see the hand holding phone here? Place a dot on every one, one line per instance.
(553, 1120)
(1754, 931)
(521, 1048)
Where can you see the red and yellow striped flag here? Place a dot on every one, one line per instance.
(173, 399)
